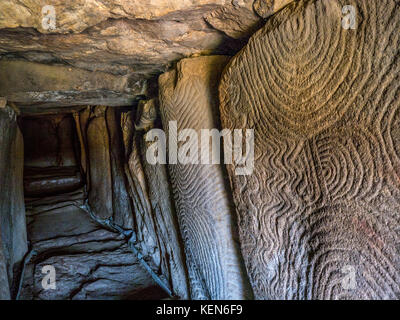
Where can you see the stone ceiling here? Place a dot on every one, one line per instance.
(103, 51)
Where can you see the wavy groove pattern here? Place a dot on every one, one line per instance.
(187, 95)
(324, 196)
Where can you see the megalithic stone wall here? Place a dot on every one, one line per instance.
(189, 96)
(13, 244)
(102, 159)
(173, 262)
(320, 216)
(157, 235)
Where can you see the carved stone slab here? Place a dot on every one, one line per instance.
(188, 96)
(320, 215)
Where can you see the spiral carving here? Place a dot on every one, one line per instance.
(215, 267)
(323, 204)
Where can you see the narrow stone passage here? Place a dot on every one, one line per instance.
(91, 262)
(200, 149)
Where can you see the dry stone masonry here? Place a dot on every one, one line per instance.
(188, 95)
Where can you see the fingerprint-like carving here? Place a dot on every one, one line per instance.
(163, 213)
(187, 95)
(322, 206)
(350, 160)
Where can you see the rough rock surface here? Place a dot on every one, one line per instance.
(156, 229)
(145, 229)
(123, 42)
(107, 275)
(50, 160)
(188, 96)
(266, 8)
(13, 242)
(3, 102)
(37, 87)
(49, 141)
(101, 152)
(133, 40)
(77, 15)
(91, 260)
(173, 262)
(235, 21)
(118, 191)
(5, 293)
(319, 218)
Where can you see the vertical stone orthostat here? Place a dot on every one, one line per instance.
(173, 262)
(102, 156)
(13, 243)
(188, 95)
